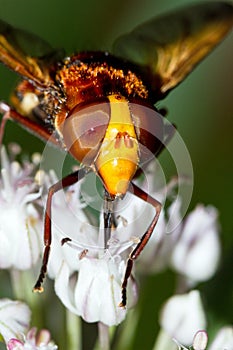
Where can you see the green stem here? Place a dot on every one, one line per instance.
(16, 284)
(128, 329)
(164, 342)
(105, 336)
(22, 282)
(74, 331)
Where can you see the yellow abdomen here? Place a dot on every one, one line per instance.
(117, 159)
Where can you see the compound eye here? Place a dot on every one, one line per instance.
(149, 128)
(84, 130)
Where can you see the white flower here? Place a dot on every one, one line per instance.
(87, 276)
(191, 248)
(14, 318)
(182, 316)
(20, 223)
(33, 341)
(95, 293)
(94, 290)
(223, 339)
(197, 251)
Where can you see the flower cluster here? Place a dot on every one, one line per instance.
(15, 317)
(33, 341)
(82, 266)
(20, 221)
(183, 321)
(222, 341)
(190, 246)
(87, 276)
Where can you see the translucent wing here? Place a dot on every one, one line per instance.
(24, 53)
(33, 59)
(166, 49)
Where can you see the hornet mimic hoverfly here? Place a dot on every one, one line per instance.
(93, 103)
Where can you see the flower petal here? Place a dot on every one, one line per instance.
(20, 222)
(182, 316)
(15, 344)
(197, 252)
(19, 237)
(96, 294)
(14, 318)
(224, 339)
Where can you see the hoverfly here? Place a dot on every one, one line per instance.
(92, 103)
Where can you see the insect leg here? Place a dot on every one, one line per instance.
(27, 123)
(144, 239)
(66, 181)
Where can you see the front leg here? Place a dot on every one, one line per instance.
(143, 241)
(65, 182)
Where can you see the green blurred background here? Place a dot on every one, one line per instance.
(201, 107)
